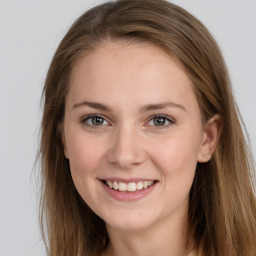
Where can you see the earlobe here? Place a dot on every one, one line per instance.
(210, 138)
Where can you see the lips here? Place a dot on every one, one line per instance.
(128, 190)
(128, 186)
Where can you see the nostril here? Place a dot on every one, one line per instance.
(125, 152)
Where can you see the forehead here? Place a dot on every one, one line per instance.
(127, 56)
(143, 69)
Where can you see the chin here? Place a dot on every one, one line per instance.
(130, 221)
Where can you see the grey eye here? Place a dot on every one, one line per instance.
(160, 120)
(95, 121)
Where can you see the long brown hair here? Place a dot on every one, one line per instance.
(222, 210)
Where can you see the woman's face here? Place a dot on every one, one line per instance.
(133, 134)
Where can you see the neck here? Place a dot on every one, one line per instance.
(166, 237)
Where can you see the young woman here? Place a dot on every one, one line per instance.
(142, 150)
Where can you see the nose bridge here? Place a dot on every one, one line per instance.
(126, 150)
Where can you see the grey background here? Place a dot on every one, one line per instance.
(30, 31)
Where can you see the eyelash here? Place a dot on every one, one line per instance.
(84, 121)
(165, 118)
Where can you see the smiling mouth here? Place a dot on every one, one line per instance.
(128, 187)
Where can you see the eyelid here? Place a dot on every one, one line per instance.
(171, 119)
(166, 117)
(91, 115)
(84, 118)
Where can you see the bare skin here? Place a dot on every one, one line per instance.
(132, 116)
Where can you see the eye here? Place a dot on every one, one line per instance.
(95, 120)
(160, 121)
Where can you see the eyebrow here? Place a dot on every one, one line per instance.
(146, 108)
(94, 105)
(151, 107)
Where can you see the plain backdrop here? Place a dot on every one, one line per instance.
(29, 34)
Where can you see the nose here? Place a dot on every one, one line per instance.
(126, 150)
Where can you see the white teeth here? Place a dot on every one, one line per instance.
(131, 186)
(115, 185)
(140, 185)
(122, 186)
(145, 184)
(109, 183)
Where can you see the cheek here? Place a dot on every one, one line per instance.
(178, 154)
(85, 156)
(177, 164)
(84, 160)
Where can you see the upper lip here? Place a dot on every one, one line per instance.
(128, 180)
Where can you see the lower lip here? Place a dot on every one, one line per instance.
(128, 196)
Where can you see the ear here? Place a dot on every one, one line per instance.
(210, 138)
